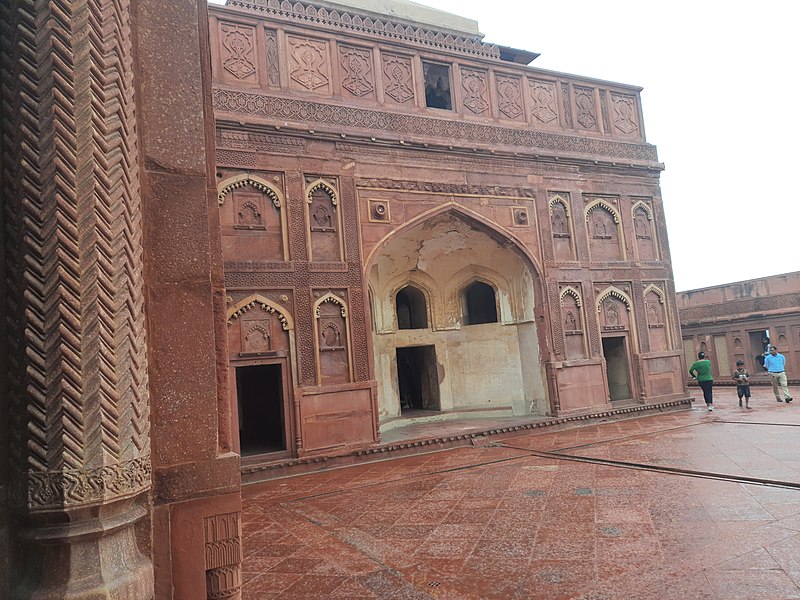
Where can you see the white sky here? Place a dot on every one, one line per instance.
(721, 102)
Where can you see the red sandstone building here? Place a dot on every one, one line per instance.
(736, 321)
(278, 236)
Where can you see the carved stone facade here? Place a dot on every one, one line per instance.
(416, 280)
(736, 321)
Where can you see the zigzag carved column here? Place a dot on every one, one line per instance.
(73, 301)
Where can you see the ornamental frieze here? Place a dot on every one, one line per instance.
(302, 111)
(445, 188)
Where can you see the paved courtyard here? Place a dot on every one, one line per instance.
(682, 505)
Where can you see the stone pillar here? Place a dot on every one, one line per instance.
(75, 371)
(196, 482)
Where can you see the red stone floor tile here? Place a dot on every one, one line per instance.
(546, 526)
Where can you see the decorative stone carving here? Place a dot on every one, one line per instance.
(475, 88)
(223, 556)
(323, 222)
(398, 83)
(293, 109)
(273, 67)
(445, 188)
(625, 118)
(646, 246)
(241, 307)
(237, 41)
(567, 104)
(309, 63)
(509, 96)
(602, 222)
(614, 306)
(520, 214)
(572, 319)
(585, 108)
(253, 142)
(357, 66)
(332, 340)
(561, 229)
(545, 100)
(379, 211)
(656, 320)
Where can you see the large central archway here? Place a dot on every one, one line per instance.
(455, 335)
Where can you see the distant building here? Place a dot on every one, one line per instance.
(737, 321)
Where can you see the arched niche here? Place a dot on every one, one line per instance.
(257, 325)
(655, 310)
(332, 340)
(644, 230)
(252, 219)
(561, 228)
(604, 232)
(324, 222)
(572, 323)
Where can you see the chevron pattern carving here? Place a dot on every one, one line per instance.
(78, 378)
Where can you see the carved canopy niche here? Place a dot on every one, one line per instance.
(323, 218)
(332, 340)
(252, 218)
(561, 228)
(257, 325)
(614, 310)
(605, 234)
(573, 323)
(656, 318)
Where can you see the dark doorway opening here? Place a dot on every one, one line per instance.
(479, 304)
(759, 347)
(259, 390)
(412, 311)
(619, 387)
(417, 378)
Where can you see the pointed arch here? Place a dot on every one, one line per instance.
(321, 184)
(558, 199)
(615, 292)
(571, 291)
(246, 179)
(480, 222)
(657, 290)
(334, 299)
(600, 203)
(241, 307)
(648, 210)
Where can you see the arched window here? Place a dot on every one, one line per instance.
(412, 310)
(479, 304)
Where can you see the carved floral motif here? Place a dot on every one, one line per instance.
(584, 101)
(238, 43)
(545, 100)
(357, 65)
(309, 63)
(273, 71)
(624, 113)
(509, 96)
(474, 84)
(397, 70)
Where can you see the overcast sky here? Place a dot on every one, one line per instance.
(721, 102)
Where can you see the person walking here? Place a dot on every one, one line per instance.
(775, 364)
(701, 370)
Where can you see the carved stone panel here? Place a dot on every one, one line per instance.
(585, 108)
(563, 248)
(604, 237)
(474, 91)
(614, 314)
(333, 354)
(624, 115)
(273, 65)
(238, 53)
(258, 328)
(323, 225)
(358, 77)
(223, 556)
(509, 97)
(656, 320)
(544, 102)
(398, 83)
(309, 65)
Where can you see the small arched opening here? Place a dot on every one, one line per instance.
(479, 304)
(412, 310)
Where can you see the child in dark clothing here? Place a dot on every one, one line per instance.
(742, 379)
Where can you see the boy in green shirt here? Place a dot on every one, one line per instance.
(701, 370)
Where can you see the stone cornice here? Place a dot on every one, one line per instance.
(467, 134)
(304, 13)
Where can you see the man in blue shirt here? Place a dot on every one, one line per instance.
(774, 363)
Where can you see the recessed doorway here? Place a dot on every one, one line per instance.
(259, 391)
(417, 378)
(619, 387)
